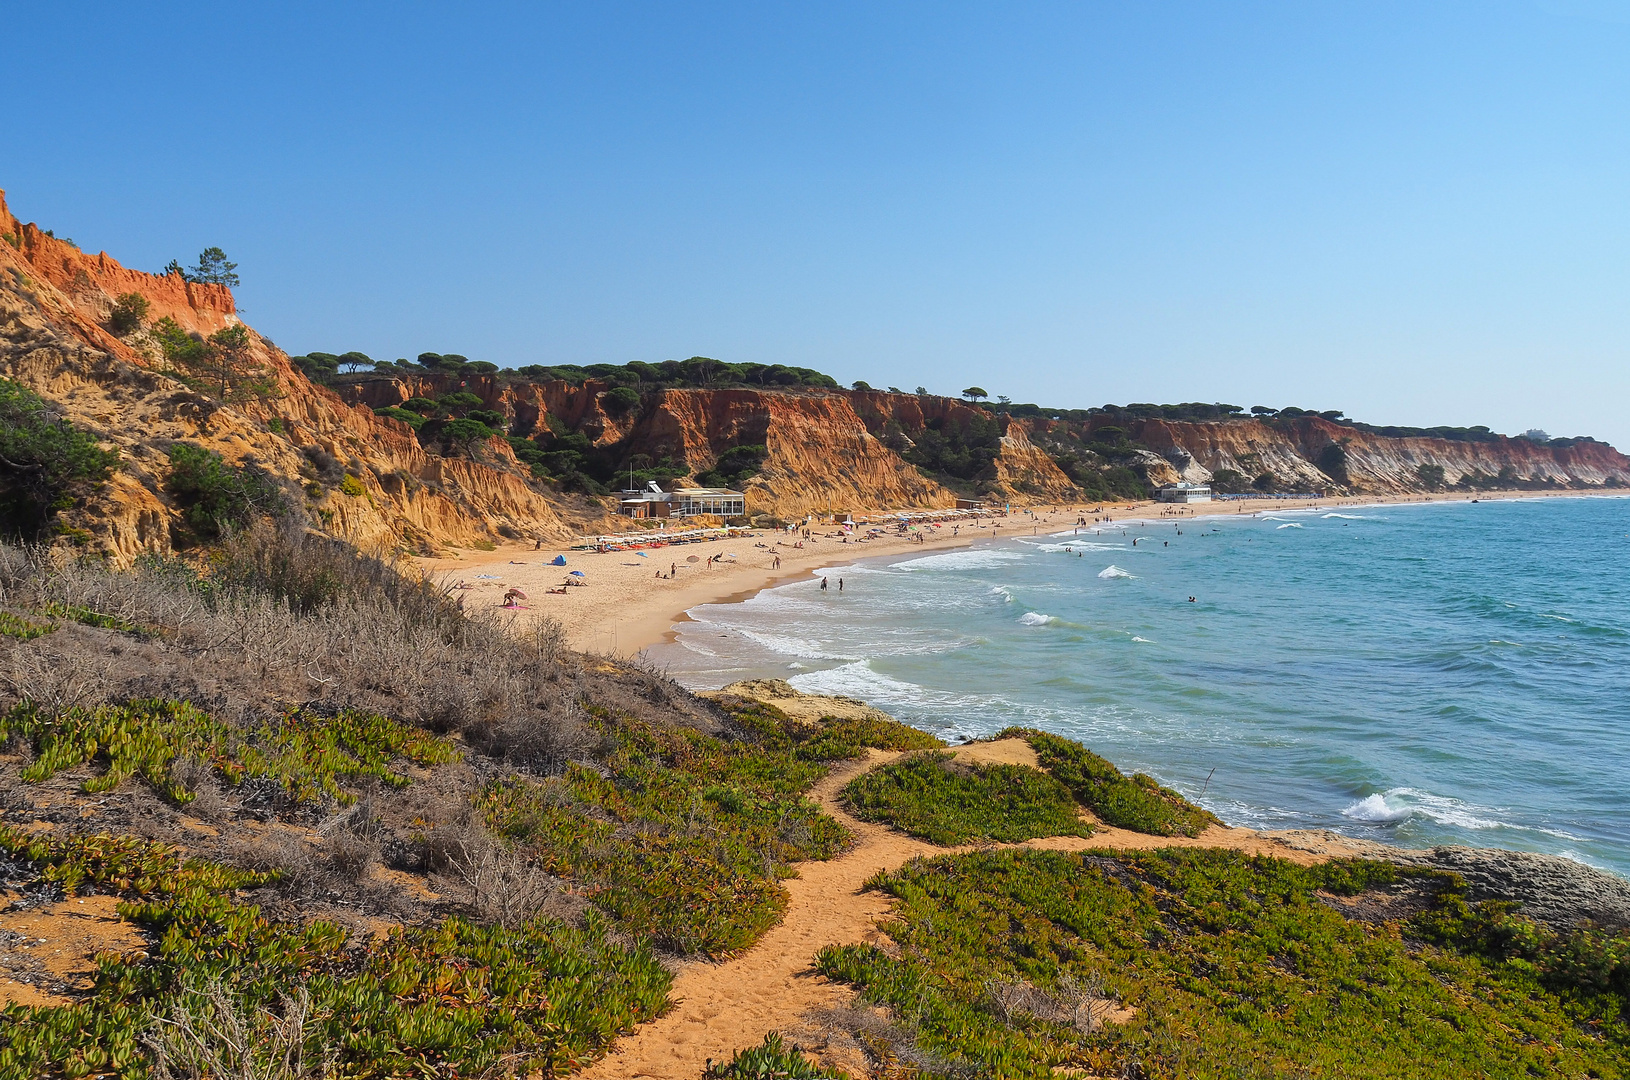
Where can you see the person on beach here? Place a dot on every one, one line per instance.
(840, 584)
(823, 584)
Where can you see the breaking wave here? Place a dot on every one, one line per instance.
(1113, 571)
(1035, 618)
(1375, 810)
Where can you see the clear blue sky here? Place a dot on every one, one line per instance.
(1416, 212)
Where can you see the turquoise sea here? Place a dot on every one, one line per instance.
(1418, 674)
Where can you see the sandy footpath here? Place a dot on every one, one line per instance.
(626, 606)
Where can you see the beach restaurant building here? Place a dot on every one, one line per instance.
(653, 502)
(1185, 493)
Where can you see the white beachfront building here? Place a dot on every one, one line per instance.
(1185, 493)
(652, 502)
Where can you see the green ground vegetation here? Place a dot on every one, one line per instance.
(448, 999)
(932, 796)
(312, 757)
(684, 837)
(15, 626)
(772, 1059)
(1009, 962)
(1136, 802)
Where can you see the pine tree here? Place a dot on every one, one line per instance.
(213, 269)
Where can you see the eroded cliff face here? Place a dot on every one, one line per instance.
(827, 450)
(55, 302)
(1375, 463)
(821, 454)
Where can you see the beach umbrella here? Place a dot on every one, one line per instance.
(516, 593)
(577, 573)
(693, 558)
(642, 554)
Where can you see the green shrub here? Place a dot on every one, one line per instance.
(129, 313)
(770, 1060)
(86, 617)
(45, 462)
(930, 796)
(411, 419)
(1137, 803)
(735, 467)
(831, 739)
(1235, 966)
(621, 399)
(352, 486)
(217, 498)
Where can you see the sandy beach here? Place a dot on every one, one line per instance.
(629, 603)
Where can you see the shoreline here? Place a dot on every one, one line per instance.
(626, 608)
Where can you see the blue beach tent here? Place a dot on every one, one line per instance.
(558, 560)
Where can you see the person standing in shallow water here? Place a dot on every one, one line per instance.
(840, 584)
(823, 584)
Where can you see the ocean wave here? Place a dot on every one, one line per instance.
(1289, 525)
(1350, 517)
(1375, 809)
(1401, 803)
(1036, 618)
(859, 680)
(787, 645)
(979, 559)
(1113, 571)
(1145, 640)
(1002, 591)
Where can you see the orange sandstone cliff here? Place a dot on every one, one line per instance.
(55, 302)
(825, 449)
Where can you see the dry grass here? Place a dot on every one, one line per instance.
(294, 618)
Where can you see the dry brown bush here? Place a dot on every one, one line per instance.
(1082, 1006)
(207, 1034)
(304, 620)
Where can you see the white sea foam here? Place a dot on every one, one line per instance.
(1071, 545)
(1396, 804)
(1374, 808)
(976, 559)
(1349, 517)
(1113, 571)
(788, 645)
(1035, 618)
(1288, 525)
(858, 680)
(1145, 640)
(1002, 591)
(1558, 618)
